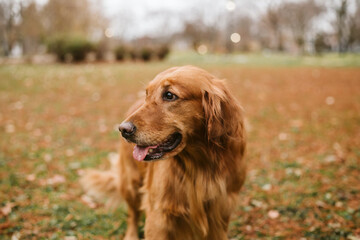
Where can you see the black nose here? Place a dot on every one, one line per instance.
(127, 129)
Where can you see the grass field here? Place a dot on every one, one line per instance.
(303, 147)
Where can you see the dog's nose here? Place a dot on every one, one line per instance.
(127, 129)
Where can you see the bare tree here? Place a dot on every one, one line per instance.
(194, 32)
(30, 27)
(354, 28)
(272, 22)
(69, 16)
(342, 27)
(244, 27)
(197, 31)
(347, 23)
(9, 14)
(298, 18)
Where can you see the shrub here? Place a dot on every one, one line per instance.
(162, 52)
(101, 49)
(73, 46)
(133, 54)
(56, 45)
(320, 44)
(120, 53)
(146, 54)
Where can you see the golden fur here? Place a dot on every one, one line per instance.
(192, 191)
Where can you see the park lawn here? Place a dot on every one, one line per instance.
(303, 148)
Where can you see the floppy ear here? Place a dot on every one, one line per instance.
(223, 114)
(213, 101)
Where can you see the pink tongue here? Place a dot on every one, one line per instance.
(139, 153)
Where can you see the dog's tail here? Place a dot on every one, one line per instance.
(103, 185)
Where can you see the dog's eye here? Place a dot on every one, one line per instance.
(169, 96)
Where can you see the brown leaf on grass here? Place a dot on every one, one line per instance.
(80, 172)
(352, 237)
(70, 238)
(6, 210)
(10, 128)
(30, 177)
(330, 100)
(283, 136)
(5, 225)
(273, 214)
(257, 203)
(56, 179)
(339, 151)
(296, 123)
(330, 158)
(66, 196)
(267, 187)
(69, 152)
(16, 236)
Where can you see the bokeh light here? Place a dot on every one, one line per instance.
(109, 32)
(235, 37)
(202, 49)
(230, 6)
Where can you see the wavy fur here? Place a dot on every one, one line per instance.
(192, 192)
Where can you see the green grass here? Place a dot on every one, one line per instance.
(303, 153)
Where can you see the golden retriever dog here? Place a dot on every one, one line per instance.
(180, 158)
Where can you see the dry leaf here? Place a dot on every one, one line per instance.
(30, 177)
(6, 210)
(273, 214)
(56, 179)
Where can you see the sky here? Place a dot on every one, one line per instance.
(152, 17)
(147, 17)
(135, 18)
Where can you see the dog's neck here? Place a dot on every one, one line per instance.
(204, 156)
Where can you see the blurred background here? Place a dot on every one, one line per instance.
(294, 65)
(103, 30)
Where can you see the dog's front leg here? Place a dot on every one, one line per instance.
(132, 223)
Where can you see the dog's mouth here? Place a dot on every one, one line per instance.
(148, 153)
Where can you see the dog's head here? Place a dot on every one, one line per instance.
(181, 104)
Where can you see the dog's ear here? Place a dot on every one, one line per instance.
(223, 115)
(213, 101)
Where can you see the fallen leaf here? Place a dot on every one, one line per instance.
(30, 177)
(10, 128)
(297, 123)
(266, 187)
(56, 179)
(16, 236)
(80, 172)
(330, 158)
(69, 152)
(320, 203)
(330, 100)
(5, 225)
(352, 237)
(70, 238)
(256, 203)
(47, 157)
(6, 210)
(273, 214)
(283, 136)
